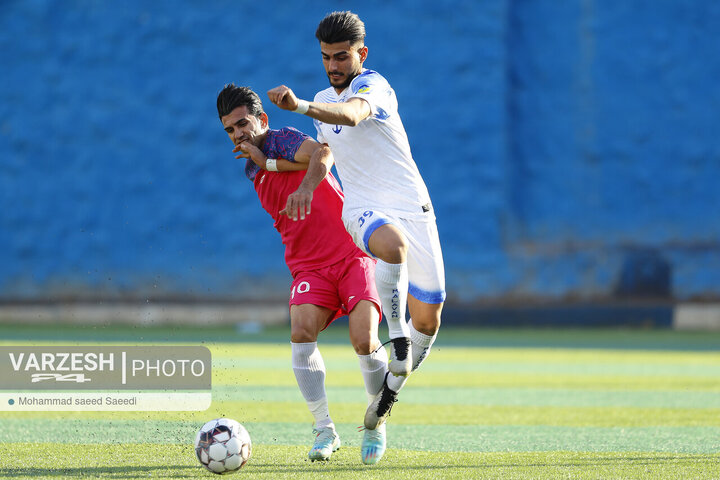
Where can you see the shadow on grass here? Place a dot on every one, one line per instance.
(270, 469)
(600, 461)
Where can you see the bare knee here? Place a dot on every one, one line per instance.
(303, 329)
(306, 322)
(302, 334)
(389, 244)
(395, 253)
(363, 346)
(427, 326)
(425, 317)
(363, 328)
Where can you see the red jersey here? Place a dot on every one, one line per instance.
(321, 239)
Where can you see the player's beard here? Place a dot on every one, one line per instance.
(345, 83)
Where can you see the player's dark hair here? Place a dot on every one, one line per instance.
(232, 97)
(341, 27)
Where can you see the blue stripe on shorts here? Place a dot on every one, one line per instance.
(371, 229)
(426, 296)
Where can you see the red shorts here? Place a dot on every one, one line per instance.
(338, 287)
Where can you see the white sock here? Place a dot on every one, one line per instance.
(391, 280)
(373, 368)
(421, 345)
(309, 371)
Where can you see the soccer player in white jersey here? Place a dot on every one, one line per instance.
(387, 206)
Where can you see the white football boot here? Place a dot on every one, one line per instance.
(327, 441)
(380, 407)
(400, 356)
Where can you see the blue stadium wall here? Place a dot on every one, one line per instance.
(572, 148)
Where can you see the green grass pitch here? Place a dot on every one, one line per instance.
(506, 404)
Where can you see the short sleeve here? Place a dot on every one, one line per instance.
(376, 91)
(285, 143)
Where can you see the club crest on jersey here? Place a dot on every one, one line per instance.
(337, 128)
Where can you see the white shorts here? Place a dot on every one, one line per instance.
(426, 271)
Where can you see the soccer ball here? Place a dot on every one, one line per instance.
(223, 445)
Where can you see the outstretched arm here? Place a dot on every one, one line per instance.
(348, 113)
(320, 160)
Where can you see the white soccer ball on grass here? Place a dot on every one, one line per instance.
(223, 445)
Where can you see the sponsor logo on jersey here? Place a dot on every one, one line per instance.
(337, 128)
(364, 89)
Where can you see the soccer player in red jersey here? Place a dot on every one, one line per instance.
(331, 275)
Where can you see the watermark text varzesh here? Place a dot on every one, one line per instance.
(105, 378)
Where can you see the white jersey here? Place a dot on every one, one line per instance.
(373, 159)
